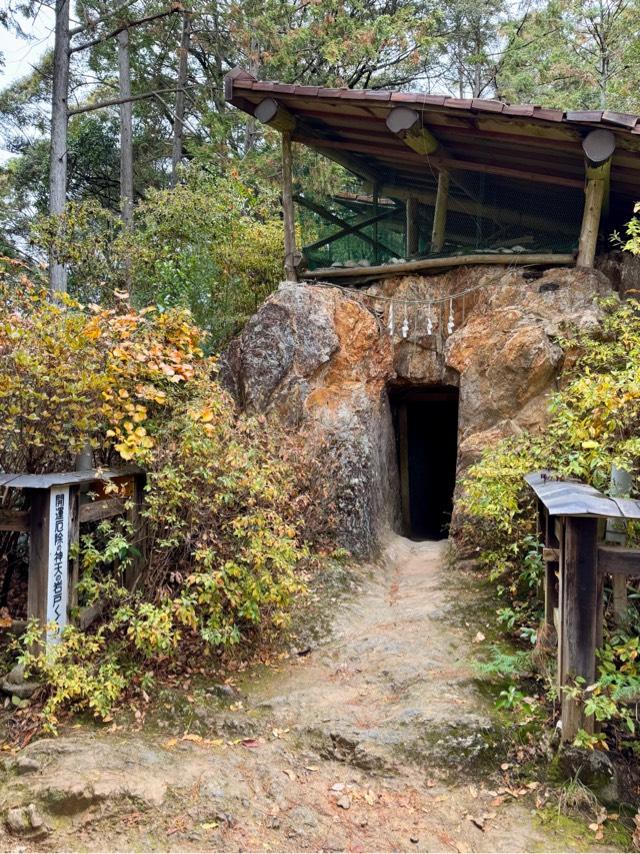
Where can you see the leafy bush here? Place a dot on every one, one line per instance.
(225, 554)
(595, 423)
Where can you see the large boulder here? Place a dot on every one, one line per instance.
(319, 361)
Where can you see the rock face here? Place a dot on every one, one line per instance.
(320, 362)
(323, 361)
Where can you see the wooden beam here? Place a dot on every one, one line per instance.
(14, 520)
(408, 126)
(614, 560)
(440, 214)
(106, 508)
(354, 228)
(578, 618)
(533, 259)
(287, 209)
(413, 229)
(598, 146)
(501, 215)
(271, 113)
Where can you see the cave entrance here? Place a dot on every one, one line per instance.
(426, 428)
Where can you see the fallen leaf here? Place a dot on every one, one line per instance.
(209, 825)
(473, 791)
(370, 797)
(249, 742)
(290, 774)
(311, 768)
(169, 745)
(191, 736)
(479, 638)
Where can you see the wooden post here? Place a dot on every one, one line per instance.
(403, 452)
(134, 569)
(578, 618)
(620, 603)
(551, 568)
(598, 147)
(74, 542)
(376, 211)
(440, 212)
(413, 233)
(287, 209)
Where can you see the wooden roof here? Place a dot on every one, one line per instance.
(524, 145)
(574, 498)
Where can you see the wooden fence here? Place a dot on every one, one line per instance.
(572, 522)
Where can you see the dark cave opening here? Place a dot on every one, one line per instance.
(426, 429)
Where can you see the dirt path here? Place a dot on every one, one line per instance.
(377, 739)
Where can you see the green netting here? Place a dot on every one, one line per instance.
(486, 214)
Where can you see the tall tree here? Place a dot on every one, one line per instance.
(59, 119)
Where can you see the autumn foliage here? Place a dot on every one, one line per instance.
(224, 512)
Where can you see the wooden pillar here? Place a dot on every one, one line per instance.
(551, 570)
(287, 209)
(579, 618)
(440, 212)
(598, 147)
(376, 210)
(413, 233)
(403, 452)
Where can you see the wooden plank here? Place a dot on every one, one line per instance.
(38, 555)
(67, 478)
(287, 209)
(102, 509)
(89, 614)
(578, 618)
(14, 520)
(530, 258)
(620, 601)
(440, 213)
(550, 555)
(614, 560)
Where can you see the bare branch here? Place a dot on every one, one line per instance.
(129, 25)
(114, 102)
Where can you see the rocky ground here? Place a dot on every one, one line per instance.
(379, 737)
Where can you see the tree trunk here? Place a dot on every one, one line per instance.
(59, 120)
(178, 124)
(126, 130)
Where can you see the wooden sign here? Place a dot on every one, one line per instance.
(58, 563)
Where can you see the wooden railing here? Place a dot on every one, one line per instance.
(572, 517)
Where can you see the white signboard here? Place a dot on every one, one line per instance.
(58, 570)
